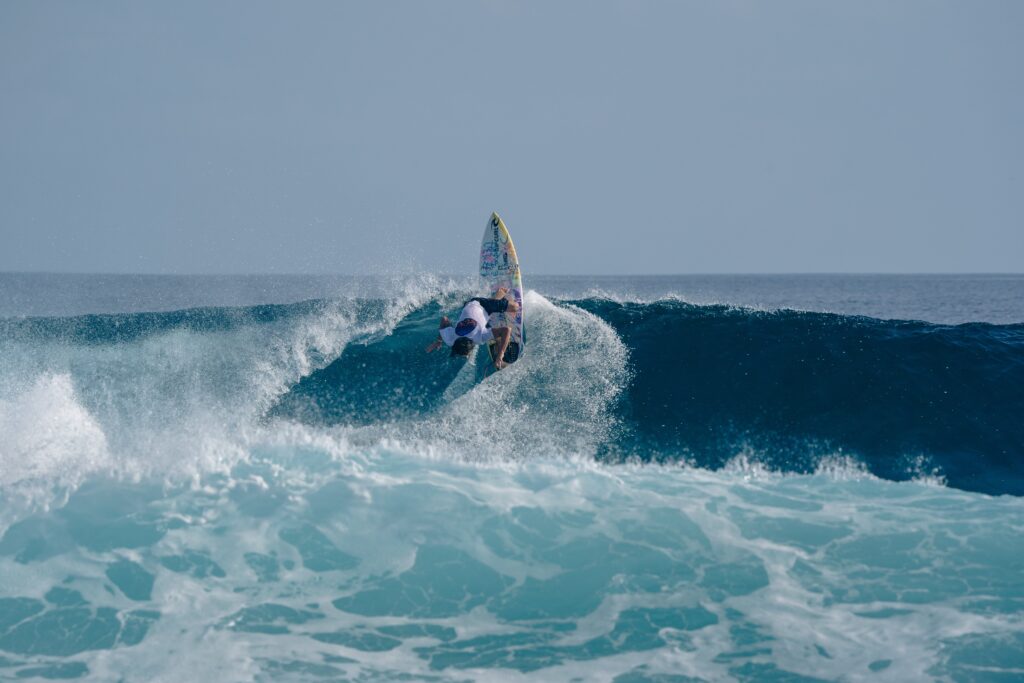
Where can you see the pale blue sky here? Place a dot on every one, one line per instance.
(614, 137)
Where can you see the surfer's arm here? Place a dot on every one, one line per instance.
(502, 335)
(436, 344)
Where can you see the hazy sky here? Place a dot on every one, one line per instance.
(613, 137)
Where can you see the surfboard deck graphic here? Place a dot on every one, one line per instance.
(499, 267)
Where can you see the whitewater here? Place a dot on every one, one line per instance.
(811, 480)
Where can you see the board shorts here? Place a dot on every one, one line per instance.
(490, 305)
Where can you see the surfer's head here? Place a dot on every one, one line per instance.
(462, 346)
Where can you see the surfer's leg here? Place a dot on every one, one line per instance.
(503, 336)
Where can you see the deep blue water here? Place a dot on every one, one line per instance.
(685, 478)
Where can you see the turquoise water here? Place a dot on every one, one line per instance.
(164, 518)
(310, 562)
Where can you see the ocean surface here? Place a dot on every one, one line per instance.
(685, 478)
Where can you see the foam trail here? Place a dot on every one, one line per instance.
(556, 401)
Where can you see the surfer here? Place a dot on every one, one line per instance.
(472, 327)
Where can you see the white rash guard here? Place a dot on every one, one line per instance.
(479, 334)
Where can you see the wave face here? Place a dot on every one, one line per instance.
(898, 395)
(655, 492)
(703, 383)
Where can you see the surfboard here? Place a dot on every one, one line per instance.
(499, 267)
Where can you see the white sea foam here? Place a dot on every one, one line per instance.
(780, 573)
(47, 432)
(49, 444)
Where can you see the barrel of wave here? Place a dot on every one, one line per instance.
(499, 267)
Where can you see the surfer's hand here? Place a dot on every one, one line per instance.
(499, 363)
(500, 294)
(433, 346)
(512, 307)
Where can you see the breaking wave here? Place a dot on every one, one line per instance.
(655, 492)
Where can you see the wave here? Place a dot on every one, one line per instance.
(663, 381)
(299, 491)
(704, 383)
